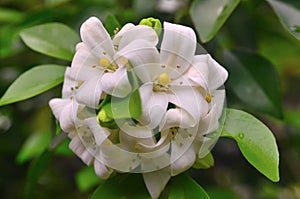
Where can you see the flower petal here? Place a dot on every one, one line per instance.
(100, 133)
(117, 83)
(65, 111)
(137, 32)
(89, 93)
(80, 150)
(123, 161)
(85, 64)
(144, 57)
(154, 106)
(95, 36)
(156, 181)
(181, 144)
(178, 48)
(217, 74)
(189, 99)
(175, 117)
(101, 170)
(199, 72)
(184, 162)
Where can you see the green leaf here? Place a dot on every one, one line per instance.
(209, 16)
(184, 187)
(34, 146)
(131, 105)
(125, 186)
(205, 162)
(37, 168)
(33, 82)
(288, 12)
(255, 140)
(86, 179)
(291, 117)
(111, 24)
(221, 193)
(10, 16)
(52, 39)
(254, 80)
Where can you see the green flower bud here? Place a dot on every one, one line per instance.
(105, 117)
(154, 23)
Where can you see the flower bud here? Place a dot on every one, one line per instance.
(154, 23)
(105, 117)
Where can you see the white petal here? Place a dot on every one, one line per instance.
(156, 181)
(89, 93)
(199, 72)
(143, 56)
(136, 131)
(100, 133)
(154, 105)
(69, 82)
(117, 83)
(218, 99)
(117, 158)
(79, 149)
(175, 117)
(65, 111)
(217, 74)
(57, 105)
(137, 32)
(189, 99)
(85, 64)
(101, 170)
(118, 36)
(184, 162)
(95, 36)
(178, 48)
(155, 160)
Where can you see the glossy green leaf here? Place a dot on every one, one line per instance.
(52, 39)
(288, 13)
(209, 16)
(112, 24)
(87, 179)
(254, 80)
(34, 146)
(130, 106)
(125, 186)
(255, 140)
(183, 186)
(33, 82)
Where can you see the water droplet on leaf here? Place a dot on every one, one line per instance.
(241, 135)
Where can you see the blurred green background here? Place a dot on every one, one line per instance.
(31, 166)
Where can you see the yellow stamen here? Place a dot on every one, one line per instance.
(208, 97)
(163, 79)
(104, 62)
(80, 83)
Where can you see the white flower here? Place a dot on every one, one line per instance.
(65, 108)
(97, 61)
(162, 74)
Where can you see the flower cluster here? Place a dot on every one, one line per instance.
(135, 103)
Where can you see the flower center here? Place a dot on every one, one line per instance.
(104, 62)
(208, 97)
(163, 79)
